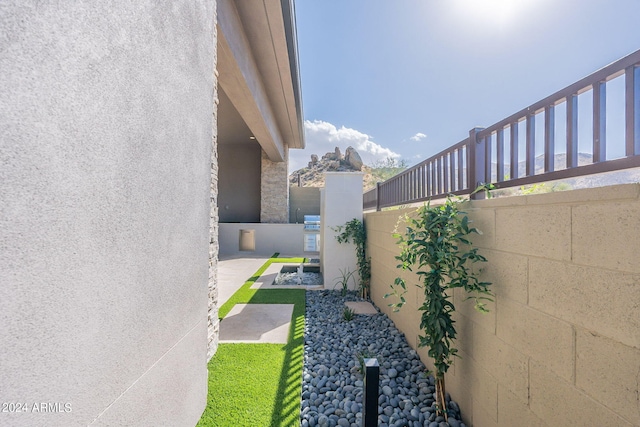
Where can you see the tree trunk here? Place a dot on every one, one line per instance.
(441, 403)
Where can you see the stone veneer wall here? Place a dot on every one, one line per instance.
(213, 323)
(561, 344)
(274, 190)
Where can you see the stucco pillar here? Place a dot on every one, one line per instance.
(274, 190)
(341, 201)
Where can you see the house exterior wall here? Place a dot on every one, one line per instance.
(239, 182)
(561, 344)
(106, 139)
(274, 190)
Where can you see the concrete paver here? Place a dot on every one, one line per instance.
(257, 323)
(233, 272)
(267, 278)
(361, 307)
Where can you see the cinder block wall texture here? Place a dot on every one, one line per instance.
(561, 345)
(303, 201)
(105, 138)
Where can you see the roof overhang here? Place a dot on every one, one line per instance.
(258, 70)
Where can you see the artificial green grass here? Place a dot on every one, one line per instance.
(258, 384)
(236, 372)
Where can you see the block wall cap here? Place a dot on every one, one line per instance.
(613, 192)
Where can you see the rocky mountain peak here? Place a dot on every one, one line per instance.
(313, 174)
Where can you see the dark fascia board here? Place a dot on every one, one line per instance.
(289, 18)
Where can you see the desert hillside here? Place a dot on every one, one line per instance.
(313, 174)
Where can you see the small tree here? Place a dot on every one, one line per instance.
(355, 231)
(435, 243)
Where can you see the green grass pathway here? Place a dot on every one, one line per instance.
(258, 385)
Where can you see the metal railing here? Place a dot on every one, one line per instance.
(493, 154)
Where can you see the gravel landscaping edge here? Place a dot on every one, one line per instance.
(332, 381)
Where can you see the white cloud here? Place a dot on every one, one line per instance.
(322, 137)
(418, 136)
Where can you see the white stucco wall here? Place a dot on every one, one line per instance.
(105, 146)
(287, 239)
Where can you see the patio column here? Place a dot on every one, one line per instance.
(341, 202)
(274, 190)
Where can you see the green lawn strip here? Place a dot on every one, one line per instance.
(258, 384)
(242, 390)
(286, 411)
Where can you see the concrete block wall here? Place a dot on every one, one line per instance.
(303, 201)
(561, 345)
(274, 190)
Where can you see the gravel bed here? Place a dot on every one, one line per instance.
(332, 382)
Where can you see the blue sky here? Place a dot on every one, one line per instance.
(408, 78)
